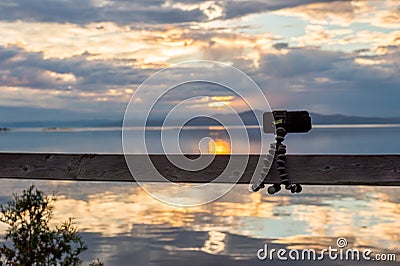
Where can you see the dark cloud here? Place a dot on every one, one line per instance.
(280, 45)
(331, 82)
(83, 12)
(241, 8)
(127, 12)
(5, 54)
(31, 70)
(238, 8)
(152, 15)
(361, 51)
(298, 62)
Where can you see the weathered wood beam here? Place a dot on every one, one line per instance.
(377, 170)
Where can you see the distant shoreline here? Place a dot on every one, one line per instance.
(201, 127)
(248, 118)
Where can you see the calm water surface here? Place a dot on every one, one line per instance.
(122, 225)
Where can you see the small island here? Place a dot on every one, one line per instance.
(57, 129)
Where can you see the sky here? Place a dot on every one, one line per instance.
(74, 59)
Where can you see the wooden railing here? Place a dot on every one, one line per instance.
(374, 170)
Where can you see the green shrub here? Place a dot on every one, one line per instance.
(33, 241)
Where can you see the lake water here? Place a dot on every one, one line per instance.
(122, 225)
(330, 139)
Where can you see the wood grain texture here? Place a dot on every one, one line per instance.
(377, 170)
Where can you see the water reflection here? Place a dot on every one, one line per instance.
(321, 139)
(124, 214)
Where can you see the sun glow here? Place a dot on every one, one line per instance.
(219, 146)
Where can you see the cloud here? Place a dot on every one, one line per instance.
(280, 45)
(332, 82)
(346, 25)
(234, 9)
(392, 18)
(138, 48)
(84, 12)
(28, 69)
(125, 12)
(5, 54)
(27, 79)
(319, 35)
(298, 62)
(377, 13)
(336, 12)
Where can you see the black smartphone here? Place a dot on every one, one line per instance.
(293, 121)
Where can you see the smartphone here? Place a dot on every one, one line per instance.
(293, 121)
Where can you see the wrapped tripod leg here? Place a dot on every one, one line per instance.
(281, 158)
(283, 122)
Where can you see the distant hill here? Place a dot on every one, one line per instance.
(248, 118)
(63, 124)
(344, 119)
